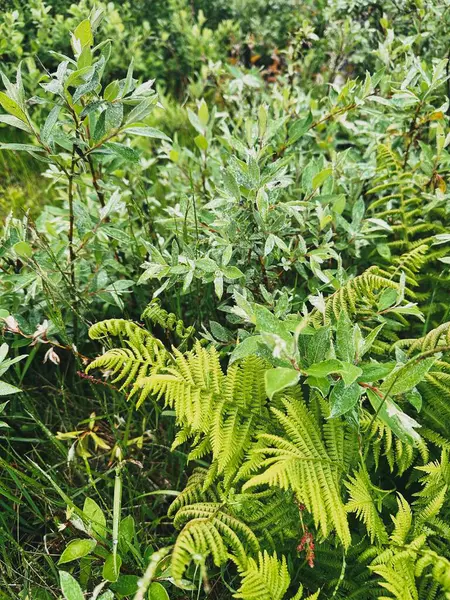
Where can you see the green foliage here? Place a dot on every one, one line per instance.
(254, 247)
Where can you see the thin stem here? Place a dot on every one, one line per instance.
(98, 190)
(71, 246)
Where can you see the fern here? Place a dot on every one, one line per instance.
(210, 530)
(407, 556)
(357, 297)
(167, 321)
(279, 468)
(266, 578)
(301, 461)
(363, 501)
(145, 354)
(223, 413)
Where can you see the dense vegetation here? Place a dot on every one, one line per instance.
(224, 300)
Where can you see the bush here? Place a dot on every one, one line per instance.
(237, 279)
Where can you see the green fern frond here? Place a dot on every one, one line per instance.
(300, 461)
(195, 491)
(209, 530)
(145, 354)
(266, 578)
(357, 296)
(398, 579)
(399, 455)
(363, 499)
(402, 522)
(438, 337)
(167, 321)
(223, 413)
(436, 483)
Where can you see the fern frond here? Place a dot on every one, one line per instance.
(266, 578)
(118, 328)
(223, 413)
(300, 461)
(145, 354)
(358, 295)
(362, 501)
(209, 530)
(399, 455)
(167, 321)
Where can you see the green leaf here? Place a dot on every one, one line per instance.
(322, 384)
(344, 398)
(219, 332)
(96, 516)
(384, 251)
(6, 388)
(267, 322)
(111, 91)
(245, 348)
(315, 348)
(299, 128)
(231, 186)
(218, 285)
(123, 151)
(15, 122)
(21, 147)
(324, 368)
(406, 377)
(77, 549)
(50, 122)
(111, 568)
(321, 177)
(85, 58)
(128, 80)
(339, 204)
(401, 424)
(369, 340)
(226, 256)
(203, 113)
(141, 111)
(279, 379)
(69, 586)
(113, 116)
(126, 585)
(414, 397)
(79, 77)
(375, 371)
(232, 272)
(83, 33)
(388, 298)
(201, 142)
(126, 533)
(350, 372)
(12, 107)
(345, 346)
(207, 264)
(157, 592)
(149, 132)
(23, 249)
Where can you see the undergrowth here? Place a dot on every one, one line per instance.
(224, 275)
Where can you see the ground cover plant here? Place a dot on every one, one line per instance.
(224, 300)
